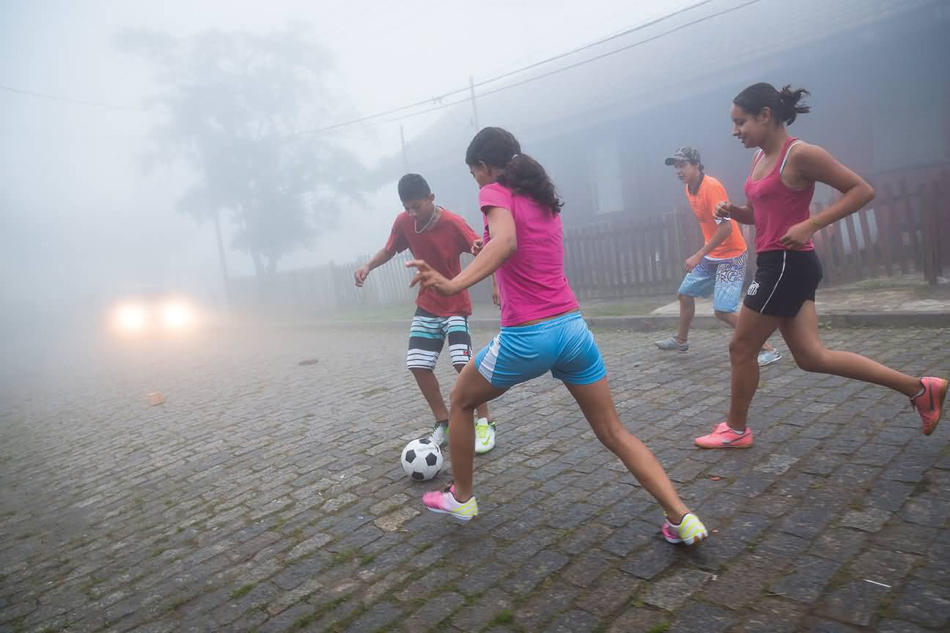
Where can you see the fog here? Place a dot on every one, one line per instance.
(105, 189)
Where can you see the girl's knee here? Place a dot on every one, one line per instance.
(611, 435)
(810, 360)
(459, 399)
(740, 349)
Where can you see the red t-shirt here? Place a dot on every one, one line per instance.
(440, 246)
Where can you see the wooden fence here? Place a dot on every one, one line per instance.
(905, 230)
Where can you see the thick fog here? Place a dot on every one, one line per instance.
(128, 127)
(91, 202)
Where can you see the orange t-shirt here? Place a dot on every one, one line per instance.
(711, 192)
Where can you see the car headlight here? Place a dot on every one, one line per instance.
(131, 318)
(177, 315)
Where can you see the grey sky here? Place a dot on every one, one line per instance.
(80, 218)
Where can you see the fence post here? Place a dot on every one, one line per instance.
(930, 228)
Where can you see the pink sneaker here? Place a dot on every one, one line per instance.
(724, 437)
(690, 530)
(444, 502)
(929, 404)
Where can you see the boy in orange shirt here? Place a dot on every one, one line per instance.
(718, 268)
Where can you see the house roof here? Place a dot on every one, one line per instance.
(664, 63)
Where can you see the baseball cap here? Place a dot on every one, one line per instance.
(684, 153)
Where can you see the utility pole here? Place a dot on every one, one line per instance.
(471, 89)
(405, 156)
(222, 260)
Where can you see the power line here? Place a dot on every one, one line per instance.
(623, 33)
(621, 49)
(443, 106)
(95, 104)
(438, 98)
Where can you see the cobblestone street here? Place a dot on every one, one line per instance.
(265, 494)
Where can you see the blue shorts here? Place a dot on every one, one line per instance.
(563, 345)
(722, 278)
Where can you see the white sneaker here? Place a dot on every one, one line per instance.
(484, 435)
(769, 357)
(670, 344)
(440, 434)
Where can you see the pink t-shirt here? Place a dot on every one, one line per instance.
(531, 282)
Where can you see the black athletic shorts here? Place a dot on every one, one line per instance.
(784, 280)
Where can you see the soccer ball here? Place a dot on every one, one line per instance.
(421, 459)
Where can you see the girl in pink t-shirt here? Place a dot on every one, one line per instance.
(541, 328)
(782, 297)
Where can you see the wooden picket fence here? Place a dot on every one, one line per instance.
(905, 230)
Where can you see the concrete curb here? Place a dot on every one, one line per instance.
(650, 323)
(831, 319)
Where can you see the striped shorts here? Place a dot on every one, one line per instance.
(427, 336)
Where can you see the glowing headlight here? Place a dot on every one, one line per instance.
(131, 318)
(177, 315)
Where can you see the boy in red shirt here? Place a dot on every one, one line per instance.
(439, 237)
(718, 268)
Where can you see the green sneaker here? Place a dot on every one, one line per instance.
(484, 435)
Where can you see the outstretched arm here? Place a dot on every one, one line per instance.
(378, 260)
(502, 245)
(722, 232)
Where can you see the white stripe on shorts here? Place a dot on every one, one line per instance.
(459, 353)
(775, 287)
(421, 359)
(487, 367)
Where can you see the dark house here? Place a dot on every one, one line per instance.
(877, 70)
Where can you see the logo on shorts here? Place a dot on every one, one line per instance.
(753, 288)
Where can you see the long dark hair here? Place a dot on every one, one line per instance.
(522, 174)
(783, 104)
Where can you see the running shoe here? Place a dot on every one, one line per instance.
(767, 357)
(690, 530)
(724, 437)
(440, 434)
(671, 344)
(484, 435)
(929, 403)
(443, 501)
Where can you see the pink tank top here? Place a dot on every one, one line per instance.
(775, 206)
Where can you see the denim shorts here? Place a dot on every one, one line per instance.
(722, 278)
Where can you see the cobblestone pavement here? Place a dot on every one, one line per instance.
(266, 495)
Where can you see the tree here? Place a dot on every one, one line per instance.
(236, 104)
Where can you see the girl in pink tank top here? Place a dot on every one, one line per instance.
(782, 296)
(775, 205)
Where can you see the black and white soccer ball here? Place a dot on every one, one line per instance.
(421, 459)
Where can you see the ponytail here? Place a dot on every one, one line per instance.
(783, 104)
(789, 99)
(525, 176)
